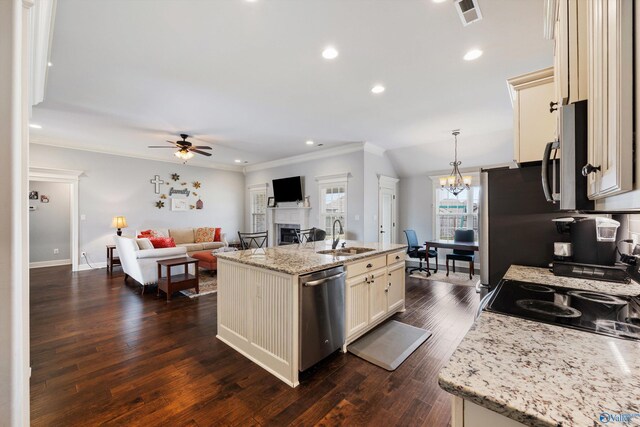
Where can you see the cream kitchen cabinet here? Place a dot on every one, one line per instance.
(535, 117)
(610, 107)
(566, 24)
(375, 295)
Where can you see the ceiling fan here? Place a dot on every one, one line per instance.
(185, 148)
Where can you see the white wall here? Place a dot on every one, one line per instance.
(352, 163)
(115, 185)
(416, 207)
(50, 223)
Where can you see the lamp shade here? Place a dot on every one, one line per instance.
(119, 222)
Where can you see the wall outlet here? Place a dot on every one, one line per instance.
(56, 251)
(83, 253)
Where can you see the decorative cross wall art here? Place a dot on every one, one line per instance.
(157, 181)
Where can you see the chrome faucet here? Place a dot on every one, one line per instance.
(333, 234)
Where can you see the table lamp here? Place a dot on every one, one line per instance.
(119, 222)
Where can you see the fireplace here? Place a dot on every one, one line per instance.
(288, 235)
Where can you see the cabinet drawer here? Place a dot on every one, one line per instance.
(366, 266)
(396, 257)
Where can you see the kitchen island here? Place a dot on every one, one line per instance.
(258, 297)
(509, 371)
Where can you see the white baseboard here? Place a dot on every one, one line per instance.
(96, 265)
(53, 263)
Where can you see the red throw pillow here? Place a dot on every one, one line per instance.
(216, 235)
(146, 234)
(162, 242)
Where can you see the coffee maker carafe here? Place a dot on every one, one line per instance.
(594, 240)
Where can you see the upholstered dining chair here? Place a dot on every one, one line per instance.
(311, 235)
(254, 240)
(462, 236)
(416, 250)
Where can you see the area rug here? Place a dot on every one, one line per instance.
(461, 279)
(208, 285)
(389, 344)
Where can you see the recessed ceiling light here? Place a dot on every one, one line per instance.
(49, 64)
(329, 52)
(310, 142)
(35, 126)
(238, 161)
(377, 89)
(472, 54)
(439, 1)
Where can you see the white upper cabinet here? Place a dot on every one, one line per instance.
(535, 121)
(610, 87)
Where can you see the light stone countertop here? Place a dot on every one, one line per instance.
(301, 259)
(546, 375)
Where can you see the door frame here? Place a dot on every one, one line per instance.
(72, 177)
(388, 183)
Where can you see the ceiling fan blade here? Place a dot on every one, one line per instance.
(204, 153)
(161, 146)
(203, 147)
(172, 142)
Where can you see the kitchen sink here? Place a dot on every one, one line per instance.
(346, 251)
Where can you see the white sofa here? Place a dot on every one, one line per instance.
(140, 264)
(185, 237)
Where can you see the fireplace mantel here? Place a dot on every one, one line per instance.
(297, 216)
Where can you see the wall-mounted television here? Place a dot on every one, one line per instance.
(288, 189)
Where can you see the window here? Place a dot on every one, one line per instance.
(258, 197)
(332, 205)
(455, 212)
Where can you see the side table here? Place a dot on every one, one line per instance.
(177, 282)
(112, 260)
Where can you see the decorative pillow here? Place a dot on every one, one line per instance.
(162, 242)
(205, 234)
(216, 236)
(182, 235)
(144, 243)
(150, 233)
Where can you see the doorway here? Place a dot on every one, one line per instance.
(387, 206)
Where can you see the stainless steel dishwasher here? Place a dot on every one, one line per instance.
(321, 315)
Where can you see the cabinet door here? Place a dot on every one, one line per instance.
(378, 295)
(610, 146)
(561, 55)
(395, 286)
(357, 302)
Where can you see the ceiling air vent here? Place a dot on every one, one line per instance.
(469, 11)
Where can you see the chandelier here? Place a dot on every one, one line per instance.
(455, 182)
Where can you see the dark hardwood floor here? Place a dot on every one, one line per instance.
(103, 354)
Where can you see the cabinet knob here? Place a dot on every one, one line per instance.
(369, 265)
(553, 106)
(397, 256)
(589, 168)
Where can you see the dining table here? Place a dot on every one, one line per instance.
(448, 244)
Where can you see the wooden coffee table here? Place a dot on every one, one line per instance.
(180, 281)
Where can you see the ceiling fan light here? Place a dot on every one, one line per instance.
(184, 154)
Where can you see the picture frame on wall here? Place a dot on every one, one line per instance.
(271, 202)
(33, 195)
(179, 204)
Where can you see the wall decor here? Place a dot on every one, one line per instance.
(185, 192)
(163, 196)
(195, 194)
(157, 181)
(160, 204)
(199, 204)
(183, 183)
(44, 199)
(192, 206)
(271, 202)
(179, 204)
(175, 176)
(33, 195)
(196, 184)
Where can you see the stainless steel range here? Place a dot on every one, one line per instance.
(617, 316)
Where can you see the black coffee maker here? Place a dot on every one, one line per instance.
(594, 240)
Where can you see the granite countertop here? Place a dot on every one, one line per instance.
(546, 375)
(301, 259)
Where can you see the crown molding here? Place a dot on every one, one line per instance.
(334, 177)
(322, 154)
(53, 143)
(47, 173)
(374, 149)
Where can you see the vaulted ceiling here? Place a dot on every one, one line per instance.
(249, 77)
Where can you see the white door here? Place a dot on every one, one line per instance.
(386, 223)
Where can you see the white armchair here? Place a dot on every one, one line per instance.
(140, 264)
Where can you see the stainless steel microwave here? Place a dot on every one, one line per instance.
(562, 179)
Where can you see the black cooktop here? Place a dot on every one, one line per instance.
(612, 315)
